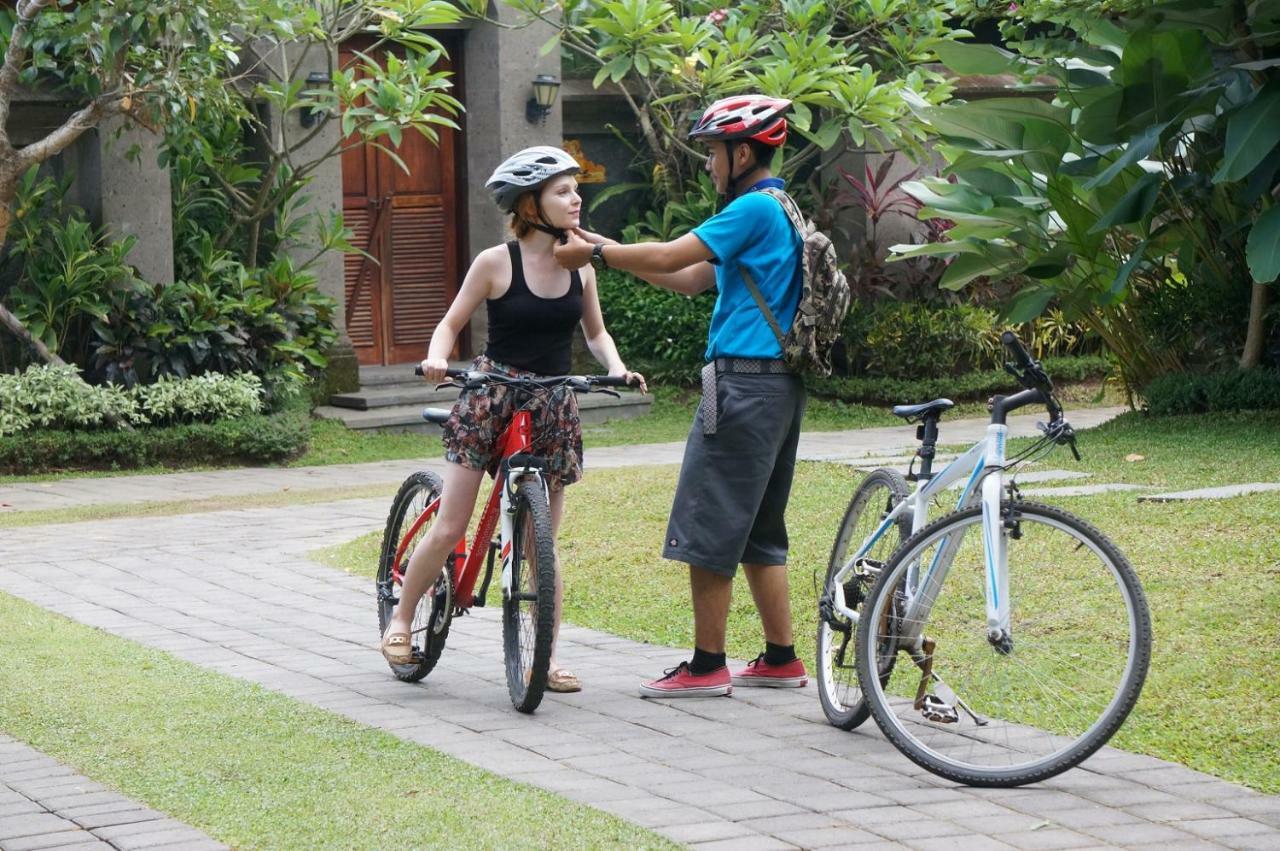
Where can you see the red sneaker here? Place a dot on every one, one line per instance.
(760, 674)
(681, 682)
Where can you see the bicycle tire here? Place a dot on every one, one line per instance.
(528, 610)
(838, 689)
(435, 610)
(1002, 677)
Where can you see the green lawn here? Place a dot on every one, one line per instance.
(256, 769)
(1211, 571)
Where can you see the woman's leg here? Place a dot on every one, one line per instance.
(427, 561)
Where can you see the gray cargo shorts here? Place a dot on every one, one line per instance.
(734, 484)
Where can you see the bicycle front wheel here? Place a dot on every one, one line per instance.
(528, 607)
(434, 613)
(1019, 710)
(838, 689)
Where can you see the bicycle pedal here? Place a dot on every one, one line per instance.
(937, 710)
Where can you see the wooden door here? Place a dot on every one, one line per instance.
(408, 221)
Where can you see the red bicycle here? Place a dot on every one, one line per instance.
(519, 512)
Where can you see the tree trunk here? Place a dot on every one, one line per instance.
(20, 331)
(1256, 336)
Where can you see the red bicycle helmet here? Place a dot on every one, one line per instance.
(757, 117)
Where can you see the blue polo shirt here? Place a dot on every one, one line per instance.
(752, 231)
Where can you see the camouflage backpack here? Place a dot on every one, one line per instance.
(824, 297)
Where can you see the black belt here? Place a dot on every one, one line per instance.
(737, 366)
(752, 366)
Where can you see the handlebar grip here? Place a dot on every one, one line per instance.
(1020, 354)
(451, 373)
(611, 381)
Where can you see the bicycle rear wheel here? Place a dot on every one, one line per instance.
(838, 689)
(435, 610)
(528, 610)
(1006, 713)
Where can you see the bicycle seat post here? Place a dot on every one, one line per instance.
(927, 434)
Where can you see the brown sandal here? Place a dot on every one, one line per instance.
(397, 648)
(562, 681)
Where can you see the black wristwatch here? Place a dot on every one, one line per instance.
(597, 256)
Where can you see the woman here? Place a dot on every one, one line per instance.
(533, 305)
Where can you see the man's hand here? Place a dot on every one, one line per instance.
(594, 238)
(575, 253)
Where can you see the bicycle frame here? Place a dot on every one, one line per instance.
(983, 462)
(517, 438)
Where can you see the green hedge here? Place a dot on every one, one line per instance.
(974, 385)
(251, 439)
(1236, 390)
(664, 334)
(660, 333)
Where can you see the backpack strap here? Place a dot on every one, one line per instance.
(763, 305)
(789, 207)
(797, 221)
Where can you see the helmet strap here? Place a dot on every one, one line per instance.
(542, 224)
(731, 187)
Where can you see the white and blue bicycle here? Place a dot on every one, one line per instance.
(999, 645)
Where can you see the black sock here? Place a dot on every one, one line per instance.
(704, 662)
(778, 654)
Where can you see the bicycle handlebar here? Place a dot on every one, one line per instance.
(1020, 354)
(1031, 375)
(474, 379)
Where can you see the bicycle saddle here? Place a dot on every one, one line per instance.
(439, 416)
(934, 408)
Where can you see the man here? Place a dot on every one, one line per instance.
(740, 457)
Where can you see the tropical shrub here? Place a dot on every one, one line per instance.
(59, 269)
(54, 397)
(1141, 155)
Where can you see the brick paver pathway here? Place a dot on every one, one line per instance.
(759, 770)
(45, 804)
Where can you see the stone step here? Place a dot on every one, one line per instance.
(595, 408)
(398, 373)
(417, 392)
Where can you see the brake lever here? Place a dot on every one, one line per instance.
(606, 390)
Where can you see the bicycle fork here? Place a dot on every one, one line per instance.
(507, 523)
(995, 542)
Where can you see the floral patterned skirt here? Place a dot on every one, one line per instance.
(472, 434)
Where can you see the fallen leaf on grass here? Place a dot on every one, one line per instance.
(1134, 456)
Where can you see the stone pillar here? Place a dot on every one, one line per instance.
(135, 198)
(324, 197)
(498, 70)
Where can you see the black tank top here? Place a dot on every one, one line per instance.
(530, 332)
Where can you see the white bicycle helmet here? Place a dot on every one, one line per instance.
(525, 170)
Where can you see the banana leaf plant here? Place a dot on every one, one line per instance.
(1128, 155)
